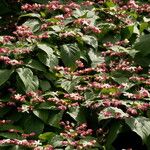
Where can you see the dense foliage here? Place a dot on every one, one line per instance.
(76, 76)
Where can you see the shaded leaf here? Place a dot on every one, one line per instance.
(90, 40)
(33, 124)
(143, 45)
(4, 75)
(34, 24)
(10, 135)
(5, 127)
(34, 64)
(112, 135)
(45, 85)
(42, 114)
(140, 125)
(69, 85)
(56, 141)
(30, 81)
(69, 54)
(54, 118)
(48, 58)
(78, 114)
(95, 58)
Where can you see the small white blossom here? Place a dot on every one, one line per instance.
(25, 108)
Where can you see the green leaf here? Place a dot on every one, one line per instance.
(110, 4)
(34, 64)
(48, 58)
(69, 85)
(46, 105)
(54, 118)
(56, 28)
(89, 96)
(112, 135)
(34, 24)
(127, 32)
(121, 80)
(78, 114)
(120, 74)
(42, 114)
(35, 15)
(14, 116)
(69, 148)
(90, 40)
(5, 75)
(5, 127)
(56, 141)
(10, 135)
(130, 52)
(47, 136)
(78, 13)
(33, 124)
(69, 54)
(95, 58)
(147, 143)
(45, 85)
(109, 90)
(143, 45)
(143, 61)
(143, 26)
(31, 82)
(45, 47)
(140, 125)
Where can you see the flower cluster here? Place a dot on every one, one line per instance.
(9, 61)
(71, 133)
(7, 39)
(63, 104)
(24, 32)
(26, 143)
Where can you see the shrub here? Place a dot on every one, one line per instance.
(76, 76)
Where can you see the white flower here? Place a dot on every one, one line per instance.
(129, 95)
(125, 85)
(25, 108)
(132, 68)
(36, 143)
(17, 96)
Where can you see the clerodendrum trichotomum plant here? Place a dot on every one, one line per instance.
(75, 76)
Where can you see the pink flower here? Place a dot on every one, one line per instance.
(132, 111)
(144, 93)
(132, 4)
(79, 64)
(87, 3)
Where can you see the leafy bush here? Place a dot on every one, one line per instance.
(76, 76)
